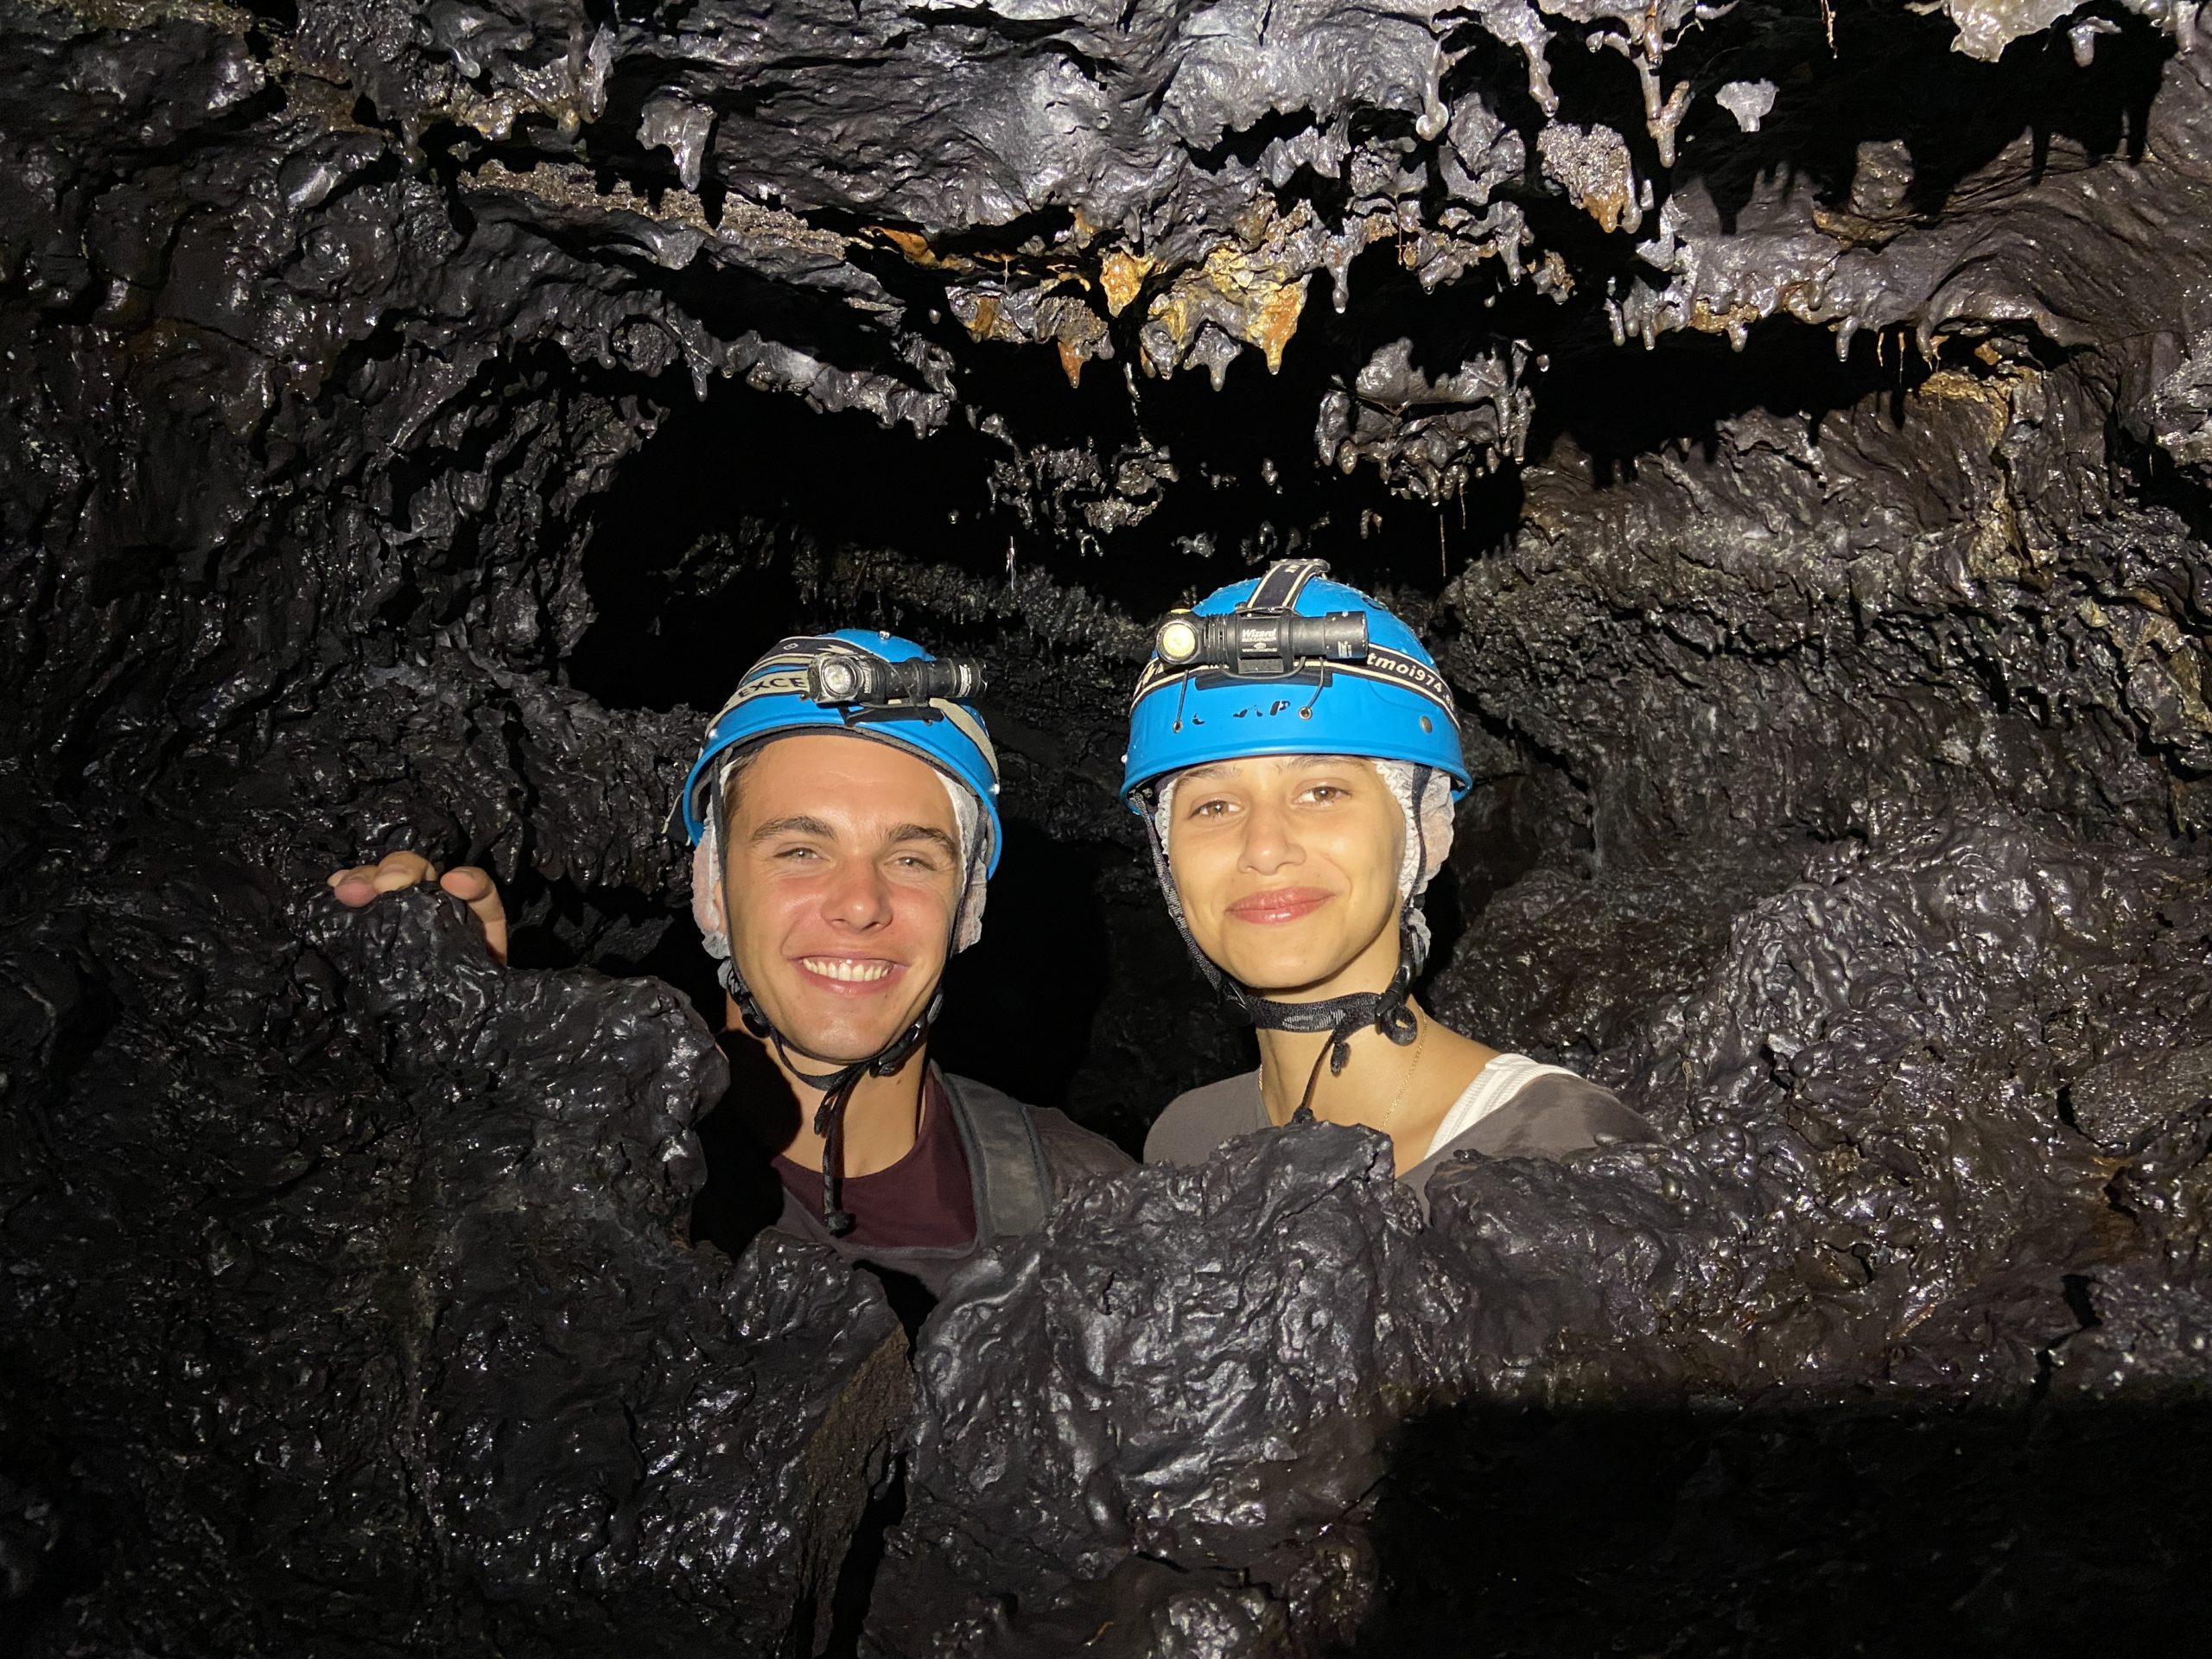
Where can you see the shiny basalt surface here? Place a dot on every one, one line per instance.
(1790, 427)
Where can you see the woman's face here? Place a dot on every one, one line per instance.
(1288, 868)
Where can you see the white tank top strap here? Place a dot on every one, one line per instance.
(1495, 1085)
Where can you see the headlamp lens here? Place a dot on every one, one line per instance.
(1177, 641)
(839, 676)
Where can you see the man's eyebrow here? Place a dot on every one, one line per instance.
(797, 823)
(800, 824)
(1211, 769)
(926, 832)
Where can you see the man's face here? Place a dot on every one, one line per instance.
(1287, 869)
(842, 875)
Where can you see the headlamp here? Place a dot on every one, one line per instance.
(849, 678)
(1261, 644)
(1178, 642)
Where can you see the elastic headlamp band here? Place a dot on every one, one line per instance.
(1383, 665)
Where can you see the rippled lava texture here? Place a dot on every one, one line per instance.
(1790, 424)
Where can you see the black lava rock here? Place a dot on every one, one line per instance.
(1791, 434)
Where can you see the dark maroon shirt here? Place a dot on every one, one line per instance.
(925, 1200)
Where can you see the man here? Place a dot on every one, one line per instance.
(844, 815)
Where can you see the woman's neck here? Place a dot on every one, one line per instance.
(1288, 1058)
(1403, 1092)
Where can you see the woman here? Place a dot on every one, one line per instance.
(1295, 755)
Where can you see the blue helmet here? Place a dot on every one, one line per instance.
(874, 685)
(1288, 664)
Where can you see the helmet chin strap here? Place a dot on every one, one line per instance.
(837, 1086)
(1341, 1017)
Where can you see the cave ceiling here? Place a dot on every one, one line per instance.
(932, 213)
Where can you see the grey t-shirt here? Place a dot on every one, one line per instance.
(1546, 1113)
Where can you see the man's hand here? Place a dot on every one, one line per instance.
(473, 887)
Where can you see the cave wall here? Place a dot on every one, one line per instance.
(1787, 424)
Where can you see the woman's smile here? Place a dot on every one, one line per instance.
(1276, 905)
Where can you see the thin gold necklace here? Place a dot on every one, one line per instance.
(1390, 1112)
(1404, 1083)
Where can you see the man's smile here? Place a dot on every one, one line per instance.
(848, 976)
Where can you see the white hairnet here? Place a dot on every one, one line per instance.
(1428, 839)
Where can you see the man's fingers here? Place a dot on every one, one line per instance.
(395, 871)
(476, 889)
(363, 882)
(400, 870)
(470, 884)
(353, 886)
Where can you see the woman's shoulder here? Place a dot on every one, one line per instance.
(1519, 1108)
(1199, 1120)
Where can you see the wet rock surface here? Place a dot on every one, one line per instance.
(348, 1310)
(1788, 429)
(1870, 1225)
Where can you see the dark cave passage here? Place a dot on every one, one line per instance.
(735, 523)
(417, 417)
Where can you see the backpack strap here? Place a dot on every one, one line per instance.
(1005, 1161)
